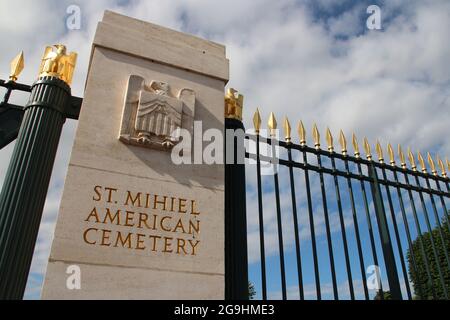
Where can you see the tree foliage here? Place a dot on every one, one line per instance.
(423, 287)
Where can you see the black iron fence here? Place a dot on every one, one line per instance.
(359, 228)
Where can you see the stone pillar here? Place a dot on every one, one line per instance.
(133, 224)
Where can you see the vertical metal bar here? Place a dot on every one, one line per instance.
(369, 224)
(438, 185)
(397, 235)
(438, 222)
(295, 219)
(280, 237)
(327, 227)
(343, 233)
(311, 225)
(236, 254)
(261, 222)
(386, 244)
(358, 239)
(408, 233)
(433, 246)
(419, 235)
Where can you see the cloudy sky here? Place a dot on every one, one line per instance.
(309, 60)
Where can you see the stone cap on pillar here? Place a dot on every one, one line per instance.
(163, 45)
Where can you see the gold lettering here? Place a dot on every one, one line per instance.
(193, 208)
(162, 223)
(154, 238)
(110, 191)
(167, 245)
(140, 242)
(182, 205)
(85, 235)
(180, 245)
(194, 246)
(156, 202)
(178, 226)
(143, 217)
(129, 217)
(193, 227)
(97, 190)
(136, 202)
(126, 241)
(105, 237)
(93, 214)
(111, 218)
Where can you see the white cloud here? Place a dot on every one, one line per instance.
(392, 85)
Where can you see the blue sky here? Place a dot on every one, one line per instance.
(309, 60)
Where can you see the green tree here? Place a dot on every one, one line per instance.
(386, 295)
(423, 289)
(251, 291)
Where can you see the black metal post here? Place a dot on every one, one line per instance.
(386, 244)
(236, 272)
(25, 187)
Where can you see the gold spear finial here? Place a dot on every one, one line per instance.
(301, 133)
(343, 143)
(412, 160)
(355, 146)
(422, 162)
(316, 137)
(272, 123)
(391, 155)
(441, 166)
(448, 163)
(401, 155)
(287, 130)
(432, 165)
(367, 149)
(17, 65)
(379, 151)
(329, 137)
(257, 121)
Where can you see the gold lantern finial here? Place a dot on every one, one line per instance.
(287, 130)
(316, 136)
(391, 155)
(272, 123)
(379, 151)
(234, 103)
(343, 143)
(257, 121)
(329, 137)
(57, 63)
(355, 146)
(301, 133)
(367, 149)
(17, 65)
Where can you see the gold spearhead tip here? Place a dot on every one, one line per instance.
(441, 166)
(329, 138)
(343, 142)
(57, 63)
(431, 163)
(287, 130)
(234, 102)
(402, 157)
(391, 154)
(448, 163)
(257, 121)
(355, 145)
(272, 123)
(316, 136)
(423, 167)
(17, 65)
(301, 133)
(367, 149)
(379, 151)
(412, 161)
